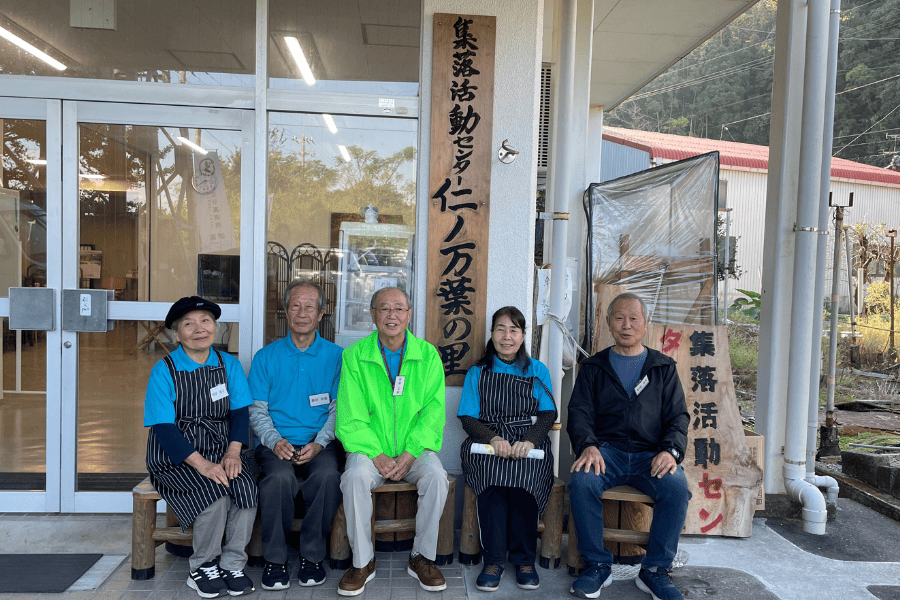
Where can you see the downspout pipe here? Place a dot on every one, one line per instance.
(561, 173)
(803, 309)
(834, 22)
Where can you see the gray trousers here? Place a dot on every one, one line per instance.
(222, 517)
(361, 477)
(319, 480)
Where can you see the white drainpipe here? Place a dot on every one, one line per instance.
(561, 176)
(803, 310)
(824, 213)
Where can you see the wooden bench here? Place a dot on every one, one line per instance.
(549, 526)
(615, 515)
(146, 536)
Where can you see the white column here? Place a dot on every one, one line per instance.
(777, 279)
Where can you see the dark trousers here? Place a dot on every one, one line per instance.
(508, 520)
(281, 480)
(670, 494)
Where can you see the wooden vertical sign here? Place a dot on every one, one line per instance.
(459, 187)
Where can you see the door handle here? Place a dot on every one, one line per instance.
(32, 308)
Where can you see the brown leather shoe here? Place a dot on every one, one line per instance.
(354, 581)
(427, 573)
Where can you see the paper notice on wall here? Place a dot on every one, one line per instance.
(212, 215)
(543, 301)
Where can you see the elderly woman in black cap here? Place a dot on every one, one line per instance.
(197, 410)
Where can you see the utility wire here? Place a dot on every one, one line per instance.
(867, 130)
(859, 87)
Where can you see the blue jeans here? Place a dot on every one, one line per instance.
(671, 496)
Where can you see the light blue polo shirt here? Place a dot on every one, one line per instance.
(159, 402)
(470, 403)
(285, 378)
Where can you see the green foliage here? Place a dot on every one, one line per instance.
(723, 89)
(749, 306)
(868, 437)
(744, 355)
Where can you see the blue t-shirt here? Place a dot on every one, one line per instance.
(285, 378)
(393, 358)
(628, 368)
(159, 402)
(470, 403)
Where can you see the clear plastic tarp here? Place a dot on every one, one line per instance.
(654, 234)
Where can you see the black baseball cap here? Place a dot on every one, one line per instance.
(186, 305)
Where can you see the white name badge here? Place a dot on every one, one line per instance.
(218, 392)
(641, 385)
(398, 385)
(319, 399)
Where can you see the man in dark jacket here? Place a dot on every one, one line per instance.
(628, 426)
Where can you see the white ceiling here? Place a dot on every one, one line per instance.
(636, 40)
(356, 40)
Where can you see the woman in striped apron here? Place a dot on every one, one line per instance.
(507, 404)
(197, 410)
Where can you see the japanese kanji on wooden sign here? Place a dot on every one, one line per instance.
(459, 188)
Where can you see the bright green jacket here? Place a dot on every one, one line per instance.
(371, 420)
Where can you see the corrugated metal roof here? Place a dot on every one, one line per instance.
(676, 147)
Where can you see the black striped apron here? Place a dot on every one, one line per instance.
(507, 404)
(205, 425)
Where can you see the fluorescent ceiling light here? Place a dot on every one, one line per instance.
(91, 176)
(36, 161)
(191, 144)
(329, 122)
(299, 58)
(31, 49)
(344, 152)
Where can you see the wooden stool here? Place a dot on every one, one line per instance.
(386, 493)
(549, 526)
(146, 536)
(616, 513)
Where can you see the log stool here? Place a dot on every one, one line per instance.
(549, 526)
(146, 536)
(386, 494)
(626, 524)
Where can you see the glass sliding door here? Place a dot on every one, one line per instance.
(156, 215)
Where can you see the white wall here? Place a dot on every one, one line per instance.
(747, 196)
(513, 186)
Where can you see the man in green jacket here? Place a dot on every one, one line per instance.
(390, 418)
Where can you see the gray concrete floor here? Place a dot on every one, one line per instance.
(777, 562)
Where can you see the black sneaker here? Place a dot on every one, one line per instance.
(593, 579)
(658, 584)
(207, 580)
(527, 578)
(238, 583)
(275, 577)
(310, 573)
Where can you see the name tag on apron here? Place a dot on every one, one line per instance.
(398, 385)
(641, 385)
(218, 392)
(319, 399)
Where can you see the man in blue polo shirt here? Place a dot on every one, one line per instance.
(294, 383)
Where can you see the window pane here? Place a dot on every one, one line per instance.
(342, 212)
(23, 252)
(354, 46)
(204, 42)
(160, 212)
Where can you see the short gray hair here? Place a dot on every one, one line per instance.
(301, 281)
(378, 292)
(628, 296)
